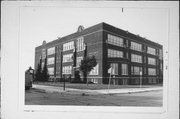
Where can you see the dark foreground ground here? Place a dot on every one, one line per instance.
(39, 97)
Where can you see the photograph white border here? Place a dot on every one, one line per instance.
(21, 110)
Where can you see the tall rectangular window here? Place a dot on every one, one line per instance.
(136, 58)
(151, 61)
(160, 54)
(67, 69)
(124, 69)
(135, 70)
(151, 71)
(151, 50)
(80, 44)
(136, 46)
(95, 70)
(67, 58)
(114, 40)
(68, 46)
(50, 61)
(51, 71)
(114, 53)
(78, 61)
(42, 65)
(51, 51)
(114, 69)
(43, 53)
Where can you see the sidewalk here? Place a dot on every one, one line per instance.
(52, 89)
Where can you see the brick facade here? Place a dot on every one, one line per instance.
(96, 39)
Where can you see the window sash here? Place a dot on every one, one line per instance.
(68, 46)
(151, 71)
(124, 70)
(51, 71)
(67, 58)
(136, 58)
(80, 44)
(151, 61)
(114, 69)
(78, 61)
(151, 51)
(50, 61)
(136, 46)
(115, 53)
(67, 70)
(135, 70)
(114, 40)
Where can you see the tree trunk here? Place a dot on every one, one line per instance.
(85, 76)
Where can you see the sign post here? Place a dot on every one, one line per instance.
(109, 71)
(140, 82)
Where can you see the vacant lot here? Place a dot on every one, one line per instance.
(92, 86)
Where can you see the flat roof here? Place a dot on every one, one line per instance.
(103, 26)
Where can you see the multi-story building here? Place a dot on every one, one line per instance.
(130, 56)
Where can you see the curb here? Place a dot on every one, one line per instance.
(97, 92)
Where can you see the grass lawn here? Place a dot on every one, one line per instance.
(92, 86)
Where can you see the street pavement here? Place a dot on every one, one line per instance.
(95, 92)
(140, 99)
(53, 95)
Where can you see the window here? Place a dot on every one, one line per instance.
(151, 51)
(50, 61)
(95, 70)
(151, 71)
(67, 58)
(51, 71)
(135, 70)
(114, 53)
(136, 58)
(136, 46)
(78, 61)
(124, 69)
(114, 69)
(160, 54)
(80, 44)
(115, 40)
(51, 51)
(43, 53)
(161, 66)
(94, 80)
(68, 46)
(67, 69)
(151, 61)
(42, 65)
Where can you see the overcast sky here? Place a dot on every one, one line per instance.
(48, 23)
